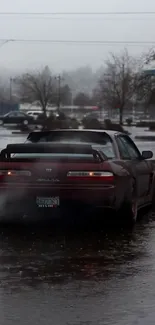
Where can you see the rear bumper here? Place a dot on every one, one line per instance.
(23, 201)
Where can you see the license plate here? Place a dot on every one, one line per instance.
(47, 202)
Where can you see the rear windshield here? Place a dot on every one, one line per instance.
(98, 140)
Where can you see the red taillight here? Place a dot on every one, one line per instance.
(10, 173)
(91, 175)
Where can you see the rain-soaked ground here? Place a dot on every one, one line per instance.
(78, 277)
(61, 277)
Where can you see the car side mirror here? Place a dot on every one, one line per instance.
(147, 154)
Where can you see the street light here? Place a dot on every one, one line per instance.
(59, 78)
(12, 80)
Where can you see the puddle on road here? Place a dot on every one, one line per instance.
(35, 257)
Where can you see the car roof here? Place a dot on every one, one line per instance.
(110, 132)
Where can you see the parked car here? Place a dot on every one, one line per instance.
(16, 118)
(35, 114)
(78, 171)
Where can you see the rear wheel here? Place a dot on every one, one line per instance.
(129, 209)
(153, 196)
(134, 210)
(128, 213)
(1, 122)
(25, 122)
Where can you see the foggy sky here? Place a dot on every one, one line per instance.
(16, 56)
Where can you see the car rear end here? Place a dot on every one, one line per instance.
(54, 180)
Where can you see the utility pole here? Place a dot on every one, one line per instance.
(11, 80)
(59, 79)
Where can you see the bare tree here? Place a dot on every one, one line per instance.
(4, 92)
(37, 87)
(146, 80)
(117, 84)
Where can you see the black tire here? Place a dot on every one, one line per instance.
(129, 208)
(1, 122)
(153, 196)
(128, 213)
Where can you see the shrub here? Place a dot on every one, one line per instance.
(92, 124)
(107, 122)
(142, 124)
(74, 124)
(146, 124)
(47, 122)
(23, 128)
(114, 127)
(129, 121)
(62, 116)
(152, 126)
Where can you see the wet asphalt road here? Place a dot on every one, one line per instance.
(77, 277)
(106, 277)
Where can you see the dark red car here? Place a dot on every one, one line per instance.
(75, 171)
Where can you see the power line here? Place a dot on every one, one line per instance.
(77, 13)
(85, 19)
(95, 42)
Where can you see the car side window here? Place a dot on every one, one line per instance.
(124, 153)
(20, 114)
(13, 114)
(133, 152)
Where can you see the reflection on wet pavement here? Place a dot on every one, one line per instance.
(77, 277)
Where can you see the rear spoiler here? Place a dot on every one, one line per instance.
(51, 148)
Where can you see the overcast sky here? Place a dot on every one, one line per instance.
(63, 56)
